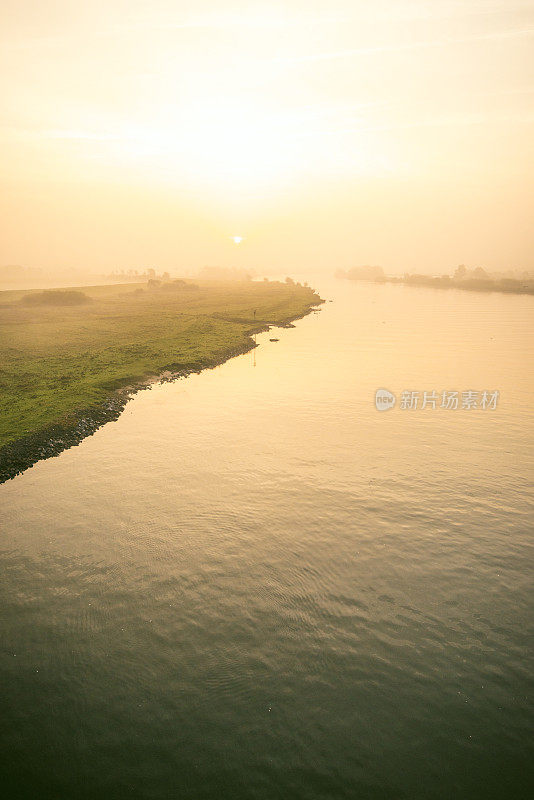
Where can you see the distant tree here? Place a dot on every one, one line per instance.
(166, 276)
(461, 272)
(510, 283)
(290, 281)
(56, 297)
(480, 273)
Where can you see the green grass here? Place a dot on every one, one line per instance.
(56, 361)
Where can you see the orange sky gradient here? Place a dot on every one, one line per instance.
(327, 135)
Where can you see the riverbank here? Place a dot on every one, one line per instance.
(504, 285)
(68, 369)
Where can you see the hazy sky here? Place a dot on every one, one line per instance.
(327, 134)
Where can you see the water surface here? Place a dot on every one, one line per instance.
(255, 585)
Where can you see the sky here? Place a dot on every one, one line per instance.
(325, 134)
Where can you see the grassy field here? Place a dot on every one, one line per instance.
(56, 361)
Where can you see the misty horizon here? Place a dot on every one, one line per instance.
(150, 134)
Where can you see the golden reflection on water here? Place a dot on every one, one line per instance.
(256, 563)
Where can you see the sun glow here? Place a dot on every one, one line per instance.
(225, 143)
(332, 125)
(234, 147)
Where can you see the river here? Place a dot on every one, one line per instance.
(256, 585)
